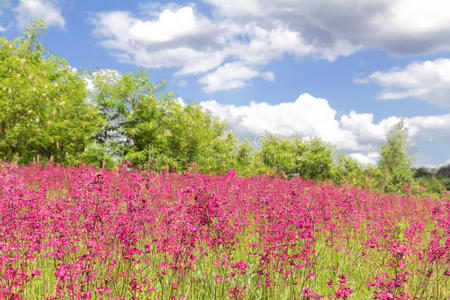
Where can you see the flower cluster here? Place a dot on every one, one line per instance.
(84, 233)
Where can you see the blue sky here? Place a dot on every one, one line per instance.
(345, 71)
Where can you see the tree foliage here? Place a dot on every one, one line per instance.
(349, 171)
(311, 159)
(148, 125)
(43, 107)
(395, 161)
(433, 180)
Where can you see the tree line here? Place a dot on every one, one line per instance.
(47, 113)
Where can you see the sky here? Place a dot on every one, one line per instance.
(342, 70)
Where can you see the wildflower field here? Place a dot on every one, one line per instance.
(84, 233)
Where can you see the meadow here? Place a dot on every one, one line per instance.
(86, 233)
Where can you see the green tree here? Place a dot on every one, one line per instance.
(148, 125)
(98, 156)
(244, 158)
(444, 171)
(348, 171)
(311, 159)
(43, 108)
(114, 95)
(395, 161)
(278, 153)
(317, 161)
(434, 181)
(373, 178)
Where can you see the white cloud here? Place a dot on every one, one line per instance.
(170, 26)
(428, 81)
(365, 158)
(184, 38)
(27, 10)
(268, 76)
(434, 165)
(429, 128)
(265, 44)
(255, 32)
(173, 39)
(308, 116)
(181, 37)
(401, 27)
(181, 101)
(444, 164)
(363, 127)
(231, 76)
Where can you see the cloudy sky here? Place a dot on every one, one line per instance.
(343, 70)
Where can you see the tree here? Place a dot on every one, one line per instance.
(310, 159)
(444, 171)
(317, 161)
(278, 153)
(148, 125)
(244, 158)
(395, 161)
(348, 171)
(113, 94)
(43, 108)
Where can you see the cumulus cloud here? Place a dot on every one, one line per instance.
(231, 76)
(370, 158)
(428, 81)
(268, 76)
(184, 38)
(365, 129)
(429, 128)
(170, 26)
(444, 164)
(175, 38)
(306, 117)
(256, 32)
(267, 43)
(401, 27)
(436, 166)
(181, 37)
(353, 133)
(27, 10)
